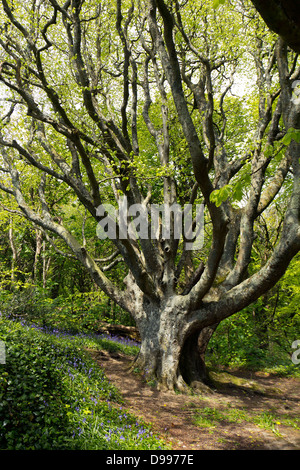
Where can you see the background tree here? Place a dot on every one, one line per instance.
(143, 100)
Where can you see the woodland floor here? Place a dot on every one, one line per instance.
(172, 415)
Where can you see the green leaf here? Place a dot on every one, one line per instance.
(225, 192)
(269, 151)
(292, 134)
(220, 195)
(237, 193)
(217, 3)
(287, 139)
(296, 135)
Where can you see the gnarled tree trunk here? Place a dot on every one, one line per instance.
(172, 348)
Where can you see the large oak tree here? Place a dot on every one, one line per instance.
(143, 99)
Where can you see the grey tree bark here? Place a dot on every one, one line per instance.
(283, 17)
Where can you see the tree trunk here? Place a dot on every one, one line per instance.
(38, 249)
(46, 265)
(14, 251)
(283, 18)
(172, 352)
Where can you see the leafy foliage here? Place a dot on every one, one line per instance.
(53, 396)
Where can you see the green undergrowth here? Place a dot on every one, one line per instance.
(236, 344)
(210, 417)
(54, 396)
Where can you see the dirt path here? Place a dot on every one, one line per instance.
(172, 415)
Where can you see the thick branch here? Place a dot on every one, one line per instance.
(283, 18)
(168, 55)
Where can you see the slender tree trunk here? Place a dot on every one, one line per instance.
(38, 249)
(46, 265)
(13, 249)
(262, 317)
